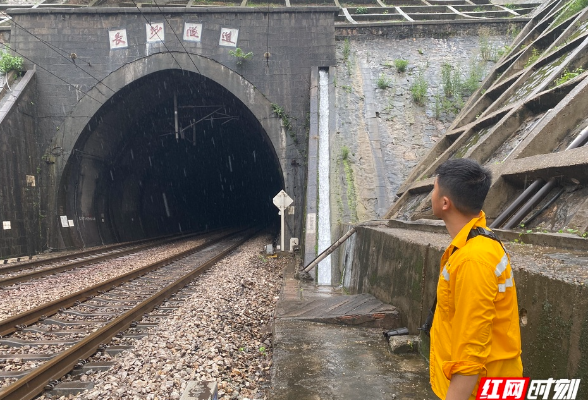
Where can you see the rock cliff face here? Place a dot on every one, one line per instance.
(395, 99)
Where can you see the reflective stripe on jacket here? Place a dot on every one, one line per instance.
(476, 325)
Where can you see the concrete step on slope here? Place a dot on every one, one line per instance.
(303, 300)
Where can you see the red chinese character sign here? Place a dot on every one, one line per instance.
(192, 32)
(118, 39)
(155, 32)
(228, 37)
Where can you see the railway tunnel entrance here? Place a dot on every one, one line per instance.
(172, 151)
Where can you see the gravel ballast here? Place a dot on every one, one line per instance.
(221, 331)
(25, 296)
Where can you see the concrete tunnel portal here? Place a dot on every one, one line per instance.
(137, 170)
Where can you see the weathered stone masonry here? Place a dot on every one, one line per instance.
(296, 40)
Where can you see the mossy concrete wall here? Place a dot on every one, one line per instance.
(397, 270)
(20, 178)
(401, 267)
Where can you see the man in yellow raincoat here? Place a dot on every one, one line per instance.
(475, 330)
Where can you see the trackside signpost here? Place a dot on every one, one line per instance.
(282, 201)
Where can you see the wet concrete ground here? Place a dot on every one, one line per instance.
(326, 361)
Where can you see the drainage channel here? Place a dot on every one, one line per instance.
(53, 347)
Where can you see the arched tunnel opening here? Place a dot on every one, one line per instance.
(171, 152)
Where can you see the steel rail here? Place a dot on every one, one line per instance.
(81, 263)
(84, 253)
(16, 322)
(34, 382)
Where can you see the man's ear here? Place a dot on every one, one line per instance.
(446, 203)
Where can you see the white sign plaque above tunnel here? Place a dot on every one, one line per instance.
(192, 32)
(155, 32)
(118, 39)
(228, 37)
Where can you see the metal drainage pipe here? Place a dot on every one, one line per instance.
(515, 205)
(330, 249)
(579, 141)
(527, 207)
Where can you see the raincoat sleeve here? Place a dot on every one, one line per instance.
(475, 287)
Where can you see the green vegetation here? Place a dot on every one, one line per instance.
(286, 121)
(486, 48)
(506, 49)
(346, 50)
(571, 8)
(473, 78)
(347, 57)
(490, 51)
(400, 65)
(454, 83)
(383, 82)
(344, 153)
(535, 54)
(8, 62)
(448, 77)
(418, 88)
(456, 86)
(567, 75)
(351, 196)
(513, 31)
(240, 55)
(361, 10)
(347, 88)
(510, 6)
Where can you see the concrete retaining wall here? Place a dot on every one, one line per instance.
(401, 267)
(20, 171)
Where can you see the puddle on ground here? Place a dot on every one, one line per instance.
(337, 362)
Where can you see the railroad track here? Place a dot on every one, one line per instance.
(22, 272)
(92, 317)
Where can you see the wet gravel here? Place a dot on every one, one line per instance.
(27, 295)
(221, 331)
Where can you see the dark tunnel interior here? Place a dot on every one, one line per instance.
(133, 174)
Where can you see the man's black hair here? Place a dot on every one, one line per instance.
(465, 182)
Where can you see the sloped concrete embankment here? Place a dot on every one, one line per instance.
(400, 266)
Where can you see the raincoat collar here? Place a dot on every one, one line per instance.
(461, 238)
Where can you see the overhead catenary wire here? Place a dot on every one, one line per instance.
(162, 39)
(61, 79)
(99, 81)
(177, 37)
(58, 51)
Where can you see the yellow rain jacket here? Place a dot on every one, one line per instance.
(476, 324)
